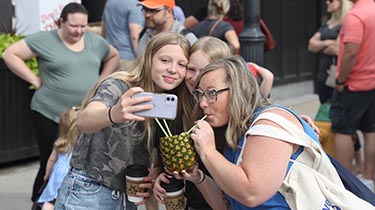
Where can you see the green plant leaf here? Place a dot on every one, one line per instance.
(6, 40)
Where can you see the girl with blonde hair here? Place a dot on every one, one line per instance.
(58, 161)
(113, 136)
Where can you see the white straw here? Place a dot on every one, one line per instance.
(166, 125)
(165, 133)
(204, 117)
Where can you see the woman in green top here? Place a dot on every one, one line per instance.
(69, 60)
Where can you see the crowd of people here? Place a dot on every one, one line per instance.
(248, 149)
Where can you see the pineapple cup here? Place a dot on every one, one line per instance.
(177, 152)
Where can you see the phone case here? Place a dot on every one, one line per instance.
(165, 106)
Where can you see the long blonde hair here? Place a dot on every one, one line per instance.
(346, 5)
(244, 95)
(141, 75)
(68, 131)
(218, 8)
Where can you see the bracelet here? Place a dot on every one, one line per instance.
(338, 82)
(202, 179)
(109, 116)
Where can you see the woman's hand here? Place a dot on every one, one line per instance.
(159, 191)
(195, 175)
(311, 123)
(38, 83)
(147, 186)
(127, 105)
(203, 137)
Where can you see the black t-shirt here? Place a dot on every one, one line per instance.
(325, 60)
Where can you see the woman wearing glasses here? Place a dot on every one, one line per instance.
(204, 51)
(325, 42)
(260, 155)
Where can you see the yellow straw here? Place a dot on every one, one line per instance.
(204, 117)
(165, 133)
(166, 125)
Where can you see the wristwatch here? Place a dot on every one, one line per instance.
(339, 83)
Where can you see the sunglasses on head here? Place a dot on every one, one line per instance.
(153, 11)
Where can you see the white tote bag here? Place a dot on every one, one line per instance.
(312, 181)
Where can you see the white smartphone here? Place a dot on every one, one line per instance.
(165, 105)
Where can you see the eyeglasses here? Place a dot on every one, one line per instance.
(210, 94)
(152, 11)
(330, 1)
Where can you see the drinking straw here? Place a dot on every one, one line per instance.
(166, 125)
(165, 133)
(204, 117)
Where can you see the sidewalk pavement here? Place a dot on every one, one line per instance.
(16, 179)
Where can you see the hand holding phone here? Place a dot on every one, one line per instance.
(165, 105)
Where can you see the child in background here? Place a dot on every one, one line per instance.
(58, 161)
(266, 77)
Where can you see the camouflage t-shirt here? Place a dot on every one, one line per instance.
(105, 154)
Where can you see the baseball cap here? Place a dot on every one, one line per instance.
(154, 4)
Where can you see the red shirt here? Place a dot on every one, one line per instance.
(359, 28)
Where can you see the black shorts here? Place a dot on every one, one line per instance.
(353, 110)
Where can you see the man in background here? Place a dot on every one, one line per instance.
(353, 104)
(159, 18)
(121, 25)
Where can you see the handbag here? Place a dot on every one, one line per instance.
(331, 79)
(269, 41)
(312, 182)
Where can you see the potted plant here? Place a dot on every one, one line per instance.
(7, 39)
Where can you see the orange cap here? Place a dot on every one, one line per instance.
(154, 4)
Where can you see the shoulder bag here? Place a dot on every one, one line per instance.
(312, 181)
(269, 41)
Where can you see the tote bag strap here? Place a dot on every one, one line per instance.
(292, 134)
(313, 156)
(296, 135)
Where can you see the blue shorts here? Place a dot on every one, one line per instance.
(78, 192)
(353, 110)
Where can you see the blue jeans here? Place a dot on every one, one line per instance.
(78, 192)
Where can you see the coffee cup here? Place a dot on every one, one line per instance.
(134, 177)
(175, 199)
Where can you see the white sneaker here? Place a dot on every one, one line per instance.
(368, 182)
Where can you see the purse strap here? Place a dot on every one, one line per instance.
(213, 27)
